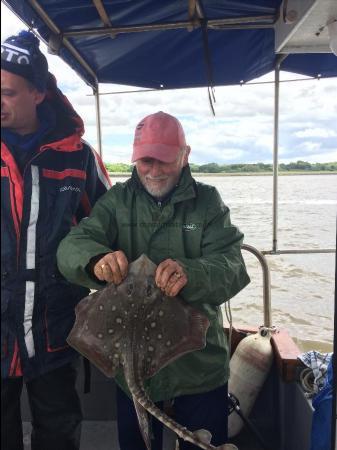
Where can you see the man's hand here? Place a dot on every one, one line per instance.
(170, 277)
(112, 267)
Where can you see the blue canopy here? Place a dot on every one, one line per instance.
(232, 41)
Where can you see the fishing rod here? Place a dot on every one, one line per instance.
(234, 405)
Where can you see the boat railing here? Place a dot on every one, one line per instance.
(285, 350)
(266, 283)
(260, 255)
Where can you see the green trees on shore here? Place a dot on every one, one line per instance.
(236, 168)
(118, 167)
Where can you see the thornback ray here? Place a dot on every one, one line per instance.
(134, 327)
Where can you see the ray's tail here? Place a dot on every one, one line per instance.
(142, 399)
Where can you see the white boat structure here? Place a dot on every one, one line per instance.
(220, 43)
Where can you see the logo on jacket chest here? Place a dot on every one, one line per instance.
(69, 188)
(190, 226)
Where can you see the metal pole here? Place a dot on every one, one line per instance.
(253, 22)
(280, 58)
(266, 283)
(98, 120)
(334, 369)
(54, 29)
(275, 155)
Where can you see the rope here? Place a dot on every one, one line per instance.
(307, 381)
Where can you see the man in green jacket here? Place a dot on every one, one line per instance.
(184, 227)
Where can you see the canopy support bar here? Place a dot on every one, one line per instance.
(98, 120)
(280, 58)
(51, 25)
(275, 156)
(230, 23)
(102, 13)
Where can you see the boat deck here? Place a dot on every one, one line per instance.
(282, 414)
(102, 435)
(98, 435)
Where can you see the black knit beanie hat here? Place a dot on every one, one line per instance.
(21, 55)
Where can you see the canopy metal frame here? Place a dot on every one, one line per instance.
(60, 37)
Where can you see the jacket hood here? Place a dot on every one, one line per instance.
(68, 122)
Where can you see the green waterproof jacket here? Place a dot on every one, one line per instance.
(193, 226)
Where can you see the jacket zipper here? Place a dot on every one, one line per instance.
(23, 195)
(16, 359)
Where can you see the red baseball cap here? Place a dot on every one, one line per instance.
(159, 136)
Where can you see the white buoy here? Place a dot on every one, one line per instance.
(249, 367)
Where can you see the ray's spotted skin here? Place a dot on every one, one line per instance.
(136, 327)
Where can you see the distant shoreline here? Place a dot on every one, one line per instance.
(238, 174)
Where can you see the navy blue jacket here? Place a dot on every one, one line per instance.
(39, 204)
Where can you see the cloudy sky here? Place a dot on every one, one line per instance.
(241, 132)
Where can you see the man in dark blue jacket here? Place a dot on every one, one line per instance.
(49, 180)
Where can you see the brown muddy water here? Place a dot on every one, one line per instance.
(302, 286)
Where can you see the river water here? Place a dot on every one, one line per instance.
(302, 286)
